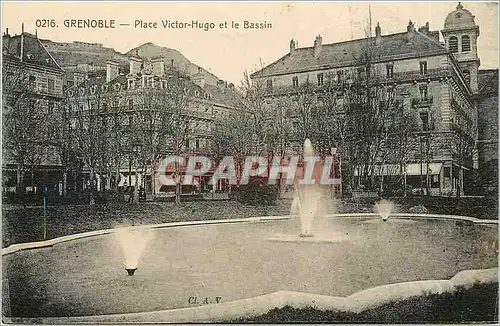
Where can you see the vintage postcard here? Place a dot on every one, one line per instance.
(263, 162)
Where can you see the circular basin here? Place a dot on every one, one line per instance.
(206, 264)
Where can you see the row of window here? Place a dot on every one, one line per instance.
(46, 84)
(340, 75)
(149, 83)
(453, 44)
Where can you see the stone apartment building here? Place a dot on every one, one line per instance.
(128, 90)
(487, 124)
(437, 82)
(32, 85)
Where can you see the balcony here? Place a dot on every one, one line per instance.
(422, 102)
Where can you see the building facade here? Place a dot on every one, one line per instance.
(32, 84)
(487, 104)
(152, 109)
(435, 82)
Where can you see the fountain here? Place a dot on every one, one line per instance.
(384, 208)
(133, 242)
(309, 209)
(308, 199)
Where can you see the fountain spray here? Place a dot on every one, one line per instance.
(384, 208)
(133, 242)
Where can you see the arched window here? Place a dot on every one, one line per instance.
(453, 44)
(467, 76)
(465, 43)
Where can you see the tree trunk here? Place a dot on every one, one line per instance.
(136, 187)
(117, 177)
(177, 192)
(65, 183)
(91, 188)
(20, 182)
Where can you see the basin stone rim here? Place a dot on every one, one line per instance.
(356, 302)
(49, 243)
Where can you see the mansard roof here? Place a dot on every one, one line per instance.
(226, 96)
(33, 51)
(349, 53)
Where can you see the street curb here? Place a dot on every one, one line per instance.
(418, 216)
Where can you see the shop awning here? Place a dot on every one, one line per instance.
(421, 169)
(411, 169)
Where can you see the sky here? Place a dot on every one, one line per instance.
(229, 52)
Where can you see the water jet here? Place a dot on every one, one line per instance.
(384, 208)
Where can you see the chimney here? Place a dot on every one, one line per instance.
(199, 78)
(158, 66)
(410, 29)
(221, 83)
(317, 46)
(231, 86)
(378, 34)
(424, 29)
(112, 70)
(5, 41)
(135, 65)
(292, 46)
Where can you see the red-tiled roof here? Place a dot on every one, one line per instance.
(348, 53)
(33, 50)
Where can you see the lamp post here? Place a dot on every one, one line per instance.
(44, 195)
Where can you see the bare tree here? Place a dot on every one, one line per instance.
(90, 135)
(25, 123)
(179, 93)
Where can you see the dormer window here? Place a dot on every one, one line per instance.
(320, 79)
(361, 72)
(389, 70)
(423, 67)
(340, 75)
